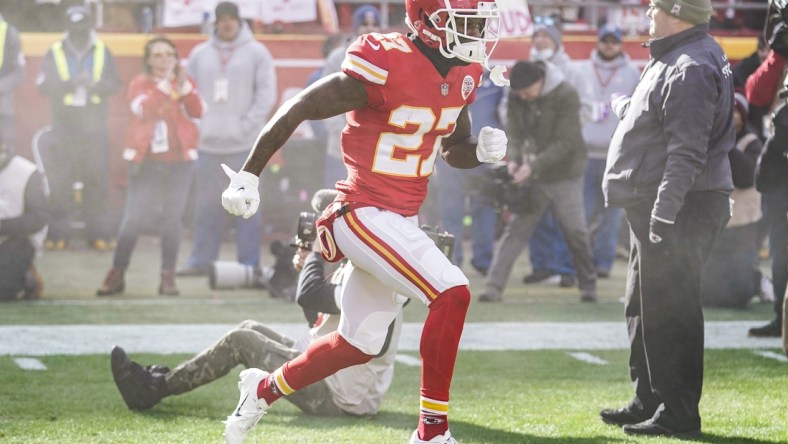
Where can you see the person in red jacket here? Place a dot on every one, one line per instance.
(161, 144)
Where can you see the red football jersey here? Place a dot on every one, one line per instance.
(389, 146)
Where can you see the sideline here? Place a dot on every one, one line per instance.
(43, 340)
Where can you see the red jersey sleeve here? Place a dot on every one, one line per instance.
(366, 60)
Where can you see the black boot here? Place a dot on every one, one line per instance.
(113, 283)
(771, 330)
(140, 388)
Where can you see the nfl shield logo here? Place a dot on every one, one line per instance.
(444, 89)
(676, 10)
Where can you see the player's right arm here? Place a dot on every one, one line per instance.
(328, 97)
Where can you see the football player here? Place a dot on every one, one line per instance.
(406, 99)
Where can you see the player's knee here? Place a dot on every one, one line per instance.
(352, 354)
(370, 334)
(458, 297)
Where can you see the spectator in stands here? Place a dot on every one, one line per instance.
(461, 192)
(23, 219)
(548, 251)
(331, 43)
(366, 19)
(731, 277)
(235, 74)
(610, 71)
(78, 74)
(161, 143)
(12, 73)
(546, 150)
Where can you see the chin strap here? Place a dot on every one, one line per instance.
(496, 76)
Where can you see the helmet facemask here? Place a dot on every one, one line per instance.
(451, 27)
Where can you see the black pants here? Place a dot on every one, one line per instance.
(663, 309)
(16, 256)
(778, 246)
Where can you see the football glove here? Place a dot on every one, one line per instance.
(491, 146)
(241, 198)
(660, 233)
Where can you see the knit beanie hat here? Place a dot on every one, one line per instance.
(552, 31)
(362, 12)
(228, 9)
(741, 105)
(525, 74)
(691, 11)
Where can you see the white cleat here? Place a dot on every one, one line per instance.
(249, 409)
(440, 439)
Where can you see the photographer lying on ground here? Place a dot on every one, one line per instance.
(356, 390)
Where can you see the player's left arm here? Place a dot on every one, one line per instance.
(328, 97)
(459, 149)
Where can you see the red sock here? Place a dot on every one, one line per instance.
(324, 357)
(439, 341)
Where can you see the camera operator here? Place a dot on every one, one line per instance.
(356, 390)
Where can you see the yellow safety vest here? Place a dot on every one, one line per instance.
(3, 33)
(65, 75)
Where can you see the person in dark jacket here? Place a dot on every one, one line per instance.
(731, 277)
(771, 180)
(546, 150)
(668, 168)
(78, 75)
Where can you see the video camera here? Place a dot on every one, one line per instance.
(517, 198)
(306, 233)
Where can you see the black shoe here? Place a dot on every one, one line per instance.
(653, 428)
(771, 330)
(486, 297)
(602, 274)
(141, 389)
(538, 276)
(588, 296)
(190, 271)
(622, 416)
(567, 281)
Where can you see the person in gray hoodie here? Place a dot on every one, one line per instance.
(610, 71)
(546, 153)
(235, 74)
(668, 167)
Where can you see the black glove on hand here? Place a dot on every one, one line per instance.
(660, 233)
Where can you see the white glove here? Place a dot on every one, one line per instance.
(241, 198)
(491, 146)
(496, 75)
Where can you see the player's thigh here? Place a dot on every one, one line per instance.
(368, 308)
(397, 252)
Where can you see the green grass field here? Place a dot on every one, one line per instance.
(497, 397)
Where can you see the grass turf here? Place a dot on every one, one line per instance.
(498, 397)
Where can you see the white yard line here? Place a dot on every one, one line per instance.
(42, 340)
(30, 364)
(771, 355)
(408, 360)
(588, 358)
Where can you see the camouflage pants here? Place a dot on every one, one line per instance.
(253, 345)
